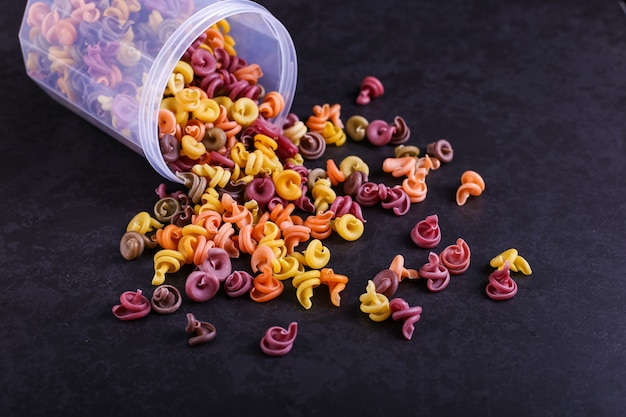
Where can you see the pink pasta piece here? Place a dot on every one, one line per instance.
(501, 286)
(279, 341)
(437, 275)
(200, 332)
(400, 310)
(427, 233)
(133, 305)
(456, 258)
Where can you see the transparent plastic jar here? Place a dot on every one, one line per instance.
(138, 43)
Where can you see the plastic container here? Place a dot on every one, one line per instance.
(109, 60)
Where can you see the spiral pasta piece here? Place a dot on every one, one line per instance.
(142, 223)
(501, 286)
(456, 258)
(441, 149)
(397, 200)
(238, 283)
(320, 225)
(216, 176)
(192, 148)
(132, 244)
(401, 133)
(224, 239)
(472, 184)
(415, 187)
(379, 132)
(296, 132)
(317, 121)
(235, 213)
(165, 299)
(397, 266)
(348, 227)
(168, 237)
(437, 275)
(403, 150)
(336, 284)
(290, 266)
(244, 111)
(516, 262)
(333, 134)
(400, 167)
(200, 332)
(166, 261)
(201, 286)
(287, 184)
(356, 127)
(374, 304)
(371, 87)
(133, 305)
(386, 282)
(196, 184)
(311, 145)
(278, 341)
(304, 284)
(323, 194)
(265, 286)
(316, 254)
(427, 233)
(273, 103)
(353, 163)
(400, 310)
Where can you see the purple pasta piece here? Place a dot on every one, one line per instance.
(203, 62)
(217, 263)
(401, 132)
(368, 194)
(386, 282)
(169, 147)
(238, 283)
(312, 145)
(397, 200)
(379, 132)
(353, 182)
(201, 286)
(262, 190)
(201, 331)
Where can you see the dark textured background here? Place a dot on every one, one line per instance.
(531, 95)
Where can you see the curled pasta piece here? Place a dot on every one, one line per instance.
(266, 286)
(273, 103)
(516, 262)
(311, 145)
(287, 184)
(296, 132)
(235, 213)
(316, 254)
(371, 87)
(386, 282)
(132, 244)
(374, 304)
(501, 286)
(217, 264)
(415, 187)
(427, 233)
(333, 134)
(304, 283)
(400, 167)
(379, 132)
(441, 149)
(169, 236)
(356, 128)
(319, 224)
(201, 286)
(165, 208)
(166, 299)
(196, 185)
(142, 223)
(317, 121)
(353, 163)
(471, 184)
(333, 173)
(397, 266)
(400, 310)
(353, 182)
(133, 305)
(244, 111)
(200, 332)
(238, 283)
(278, 341)
(290, 266)
(336, 284)
(167, 122)
(192, 148)
(456, 258)
(402, 150)
(224, 239)
(344, 205)
(370, 194)
(348, 227)
(402, 133)
(295, 234)
(397, 200)
(323, 194)
(437, 275)
(166, 261)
